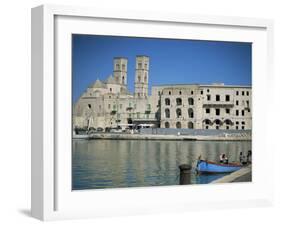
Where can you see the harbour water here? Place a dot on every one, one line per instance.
(101, 163)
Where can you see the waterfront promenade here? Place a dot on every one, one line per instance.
(142, 136)
(242, 175)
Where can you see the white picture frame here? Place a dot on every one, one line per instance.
(52, 197)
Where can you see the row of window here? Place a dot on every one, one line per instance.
(243, 93)
(243, 102)
(137, 115)
(145, 78)
(218, 97)
(191, 100)
(227, 111)
(219, 122)
(227, 98)
(227, 127)
(179, 113)
(123, 67)
(140, 66)
(190, 125)
(180, 93)
(148, 106)
(179, 101)
(178, 110)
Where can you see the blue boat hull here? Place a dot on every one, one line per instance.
(210, 167)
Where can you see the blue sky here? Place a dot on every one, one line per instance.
(171, 61)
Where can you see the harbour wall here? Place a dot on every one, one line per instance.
(194, 132)
(200, 136)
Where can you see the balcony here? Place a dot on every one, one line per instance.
(218, 104)
(143, 116)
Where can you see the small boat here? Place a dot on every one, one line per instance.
(80, 135)
(204, 166)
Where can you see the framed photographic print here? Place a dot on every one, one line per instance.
(138, 113)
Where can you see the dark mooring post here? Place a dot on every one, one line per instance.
(184, 174)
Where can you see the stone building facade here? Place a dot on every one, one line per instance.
(108, 103)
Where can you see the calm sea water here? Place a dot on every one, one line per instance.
(134, 163)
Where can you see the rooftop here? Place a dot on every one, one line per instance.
(98, 84)
(222, 85)
(111, 80)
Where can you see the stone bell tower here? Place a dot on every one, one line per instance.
(141, 76)
(120, 70)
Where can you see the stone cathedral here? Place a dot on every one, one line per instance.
(108, 104)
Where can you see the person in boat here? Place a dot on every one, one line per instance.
(249, 157)
(241, 157)
(244, 160)
(223, 159)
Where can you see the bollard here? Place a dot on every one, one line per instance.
(185, 170)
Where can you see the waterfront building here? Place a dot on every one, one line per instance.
(108, 104)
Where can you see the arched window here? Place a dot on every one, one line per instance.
(228, 122)
(190, 125)
(167, 113)
(167, 101)
(178, 125)
(190, 101)
(178, 112)
(145, 78)
(123, 67)
(179, 101)
(167, 125)
(123, 80)
(207, 121)
(218, 122)
(117, 67)
(190, 113)
(139, 78)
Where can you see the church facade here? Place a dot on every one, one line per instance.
(109, 104)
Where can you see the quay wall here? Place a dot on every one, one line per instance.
(242, 175)
(122, 136)
(195, 132)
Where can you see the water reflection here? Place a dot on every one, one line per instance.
(131, 163)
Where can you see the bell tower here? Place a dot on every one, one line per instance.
(141, 76)
(120, 70)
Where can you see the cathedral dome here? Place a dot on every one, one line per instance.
(98, 84)
(111, 80)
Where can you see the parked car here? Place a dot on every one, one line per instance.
(80, 130)
(107, 129)
(99, 129)
(116, 130)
